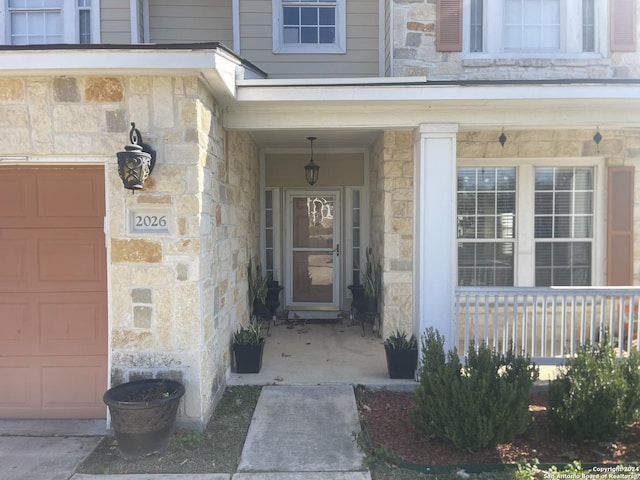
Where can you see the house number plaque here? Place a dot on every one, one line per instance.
(150, 221)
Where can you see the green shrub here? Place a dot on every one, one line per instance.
(477, 405)
(595, 396)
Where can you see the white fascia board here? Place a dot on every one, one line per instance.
(219, 70)
(25, 62)
(398, 92)
(405, 103)
(474, 114)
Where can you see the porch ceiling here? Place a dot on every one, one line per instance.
(327, 139)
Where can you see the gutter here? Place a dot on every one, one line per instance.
(424, 81)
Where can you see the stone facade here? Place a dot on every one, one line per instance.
(414, 54)
(391, 194)
(208, 178)
(618, 147)
(174, 299)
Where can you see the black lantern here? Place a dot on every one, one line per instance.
(311, 169)
(136, 162)
(502, 138)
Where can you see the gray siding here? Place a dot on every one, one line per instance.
(115, 22)
(360, 60)
(191, 21)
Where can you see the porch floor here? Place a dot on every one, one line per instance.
(329, 353)
(321, 353)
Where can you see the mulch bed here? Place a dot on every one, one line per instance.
(386, 416)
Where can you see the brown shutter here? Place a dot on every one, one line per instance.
(449, 25)
(620, 226)
(623, 25)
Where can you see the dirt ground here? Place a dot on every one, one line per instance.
(216, 450)
(386, 418)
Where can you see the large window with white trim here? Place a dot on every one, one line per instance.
(486, 221)
(563, 226)
(37, 22)
(309, 26)
(526, 225)
(535, 27)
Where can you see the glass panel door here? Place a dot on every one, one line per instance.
(313, 249)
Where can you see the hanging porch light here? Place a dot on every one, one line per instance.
(311, 169)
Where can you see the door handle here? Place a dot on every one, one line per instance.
(337, 250)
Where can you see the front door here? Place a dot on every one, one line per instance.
(313, 250)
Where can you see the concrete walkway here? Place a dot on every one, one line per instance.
(302, 430)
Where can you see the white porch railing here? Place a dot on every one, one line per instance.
(547, 324)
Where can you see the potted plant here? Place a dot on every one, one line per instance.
(258, 289)
(143, 415)
(248, 347)
(402, 355)
(366, 292)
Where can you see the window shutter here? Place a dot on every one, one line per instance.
(623, 25)
(449, 25)
(620, 226)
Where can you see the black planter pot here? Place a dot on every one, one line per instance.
(362, 303)
(143, 415)
(248, 358)
(402, 363)
(272, 301)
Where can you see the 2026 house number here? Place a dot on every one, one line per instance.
(149, 222)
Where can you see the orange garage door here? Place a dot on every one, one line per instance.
(53, 292)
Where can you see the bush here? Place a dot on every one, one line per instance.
(475, 406)
(595, 395)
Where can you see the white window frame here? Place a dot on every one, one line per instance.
(70, 21)
(524, 262)
(571, 32)
(340, 46)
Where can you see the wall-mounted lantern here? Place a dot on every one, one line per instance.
(311, 169)
(136, 162)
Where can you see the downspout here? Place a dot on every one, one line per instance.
(134, 12)
(382, 40)
(391, 36)
(235, 23)
(146, 29)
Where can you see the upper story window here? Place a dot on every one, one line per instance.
(535, 27)
(309, 26)
(36, 22)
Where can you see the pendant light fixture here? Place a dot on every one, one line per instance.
(311, 169)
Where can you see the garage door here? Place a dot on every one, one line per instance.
(53, 293)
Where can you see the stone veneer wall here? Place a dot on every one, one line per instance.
(173, 299)
(391, 196)
(618, 147)
(414, 54)
(197, 286)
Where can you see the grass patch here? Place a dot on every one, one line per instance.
(215, 450)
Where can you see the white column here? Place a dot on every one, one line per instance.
(435, 229)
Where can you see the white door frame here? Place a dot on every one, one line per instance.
(288, 249)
